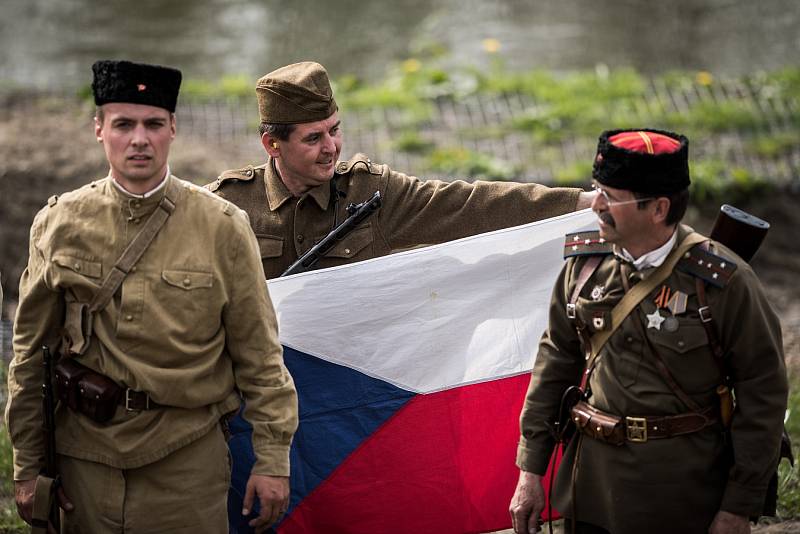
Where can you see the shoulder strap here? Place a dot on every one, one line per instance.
(134, 250)
(632, 298)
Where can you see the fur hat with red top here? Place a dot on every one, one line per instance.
(653, 162)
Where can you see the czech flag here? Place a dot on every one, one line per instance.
(411, 371)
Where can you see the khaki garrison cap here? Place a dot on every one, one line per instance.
(296, 93)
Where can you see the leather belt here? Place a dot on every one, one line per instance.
(617, 430)
(136, 401)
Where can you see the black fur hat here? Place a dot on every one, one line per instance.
(643, 161)
(135, 83)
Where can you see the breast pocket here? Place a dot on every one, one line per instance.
(687, 354)
(270, 246)
(184, 304)
(356, 246)
(79, 274)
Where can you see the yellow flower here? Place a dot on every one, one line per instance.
(704, 78)
(491, 45)
(411, 65)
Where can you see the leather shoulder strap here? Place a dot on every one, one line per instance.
(135, 249)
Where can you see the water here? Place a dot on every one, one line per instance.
(52, 43)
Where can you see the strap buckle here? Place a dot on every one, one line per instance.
(636, 429)
(705, 314)
(571, 310)
(129, 399)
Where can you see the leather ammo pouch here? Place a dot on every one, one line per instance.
(598, 425)
(85, 391)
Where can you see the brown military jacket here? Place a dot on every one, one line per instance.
(191, 322)
(413, 212)
(679, 483)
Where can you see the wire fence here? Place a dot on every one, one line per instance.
(483, 124)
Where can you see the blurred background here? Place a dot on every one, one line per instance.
(470, 89)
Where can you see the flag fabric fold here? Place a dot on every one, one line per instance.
(411, 371)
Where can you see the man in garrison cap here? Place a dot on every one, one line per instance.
(656, 329)
(303, 190)
(151, 290)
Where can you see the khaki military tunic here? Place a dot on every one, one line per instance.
(413, 212)
(191, 323)
(665, 485)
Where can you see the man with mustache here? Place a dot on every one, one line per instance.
(152, 291)
(658, 326)
(302, 191)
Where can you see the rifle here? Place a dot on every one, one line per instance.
(743, 233)
(739, 231)
(358, 213)
(45, 502)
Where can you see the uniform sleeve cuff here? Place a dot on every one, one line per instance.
(272, 461)
(27, 466)
(743, 500)
(532, 458)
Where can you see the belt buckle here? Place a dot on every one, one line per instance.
(129, 400)
(636, 429)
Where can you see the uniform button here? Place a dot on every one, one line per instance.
(681, 344)
(136, 203)
(347, 251)
(187, 282)
(300, 238)
(629, 339)
(77, 266)
(133, 269)
(129, 317)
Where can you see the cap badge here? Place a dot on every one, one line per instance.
(141, 87)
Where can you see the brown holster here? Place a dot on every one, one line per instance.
(94, 395)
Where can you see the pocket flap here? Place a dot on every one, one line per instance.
(187, 279)
(92, 269)
(688, 337)
(354, 243)
(270, 246)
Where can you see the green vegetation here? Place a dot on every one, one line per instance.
(788, 476)
(461, 162)
(568, 109)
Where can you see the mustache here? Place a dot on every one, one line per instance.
(607, 218)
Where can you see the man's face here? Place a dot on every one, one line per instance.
(621, 220)
(136, 139)
(308, 158)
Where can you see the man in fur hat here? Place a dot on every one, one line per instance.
(152, 291)
(658, 329)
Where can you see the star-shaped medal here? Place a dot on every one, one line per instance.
(654, 320)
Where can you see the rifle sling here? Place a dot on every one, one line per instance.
(44, 496)
(135, 249)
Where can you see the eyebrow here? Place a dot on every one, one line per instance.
(310, 135)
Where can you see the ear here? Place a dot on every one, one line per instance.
(98, 130)
(272, 145)
(660, 210)
(173, 126)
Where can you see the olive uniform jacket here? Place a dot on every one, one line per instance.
(413, 212)
(675, 484)
(191, 324)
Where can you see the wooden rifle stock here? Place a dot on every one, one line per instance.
(739, 231)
